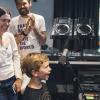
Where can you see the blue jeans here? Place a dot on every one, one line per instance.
(6, 90)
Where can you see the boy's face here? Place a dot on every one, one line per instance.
(44, 71)
(23, 7)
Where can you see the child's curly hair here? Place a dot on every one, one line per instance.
(33, 61)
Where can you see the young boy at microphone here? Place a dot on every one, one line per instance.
(36, 66)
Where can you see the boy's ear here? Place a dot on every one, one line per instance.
(34, 73)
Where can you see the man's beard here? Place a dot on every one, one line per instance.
(23, 11)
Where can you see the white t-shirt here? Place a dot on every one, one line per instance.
(30, 43)
(9, 58)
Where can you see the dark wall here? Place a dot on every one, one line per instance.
(76, 8)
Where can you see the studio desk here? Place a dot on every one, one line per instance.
(81, 71)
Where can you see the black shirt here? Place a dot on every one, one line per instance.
(36, 94)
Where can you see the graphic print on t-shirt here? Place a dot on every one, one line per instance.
(30, 42)
(21, 27)
(25, 43)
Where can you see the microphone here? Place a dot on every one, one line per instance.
(63, 57)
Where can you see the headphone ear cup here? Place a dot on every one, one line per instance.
(84, 29)
(63, 26)
(84, 33)
(62, 29)
(83, 26)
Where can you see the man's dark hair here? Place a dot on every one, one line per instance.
(3, 11)
(20, 0)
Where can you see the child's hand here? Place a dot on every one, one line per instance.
(17, 85)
